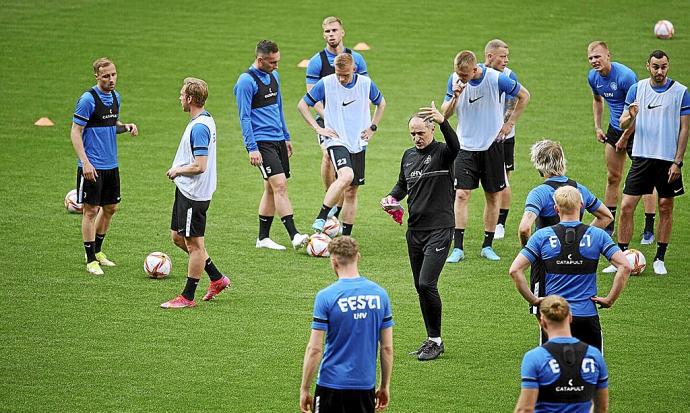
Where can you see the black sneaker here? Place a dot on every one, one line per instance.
(421, 348)
(431, 351)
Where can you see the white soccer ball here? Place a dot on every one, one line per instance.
(332, 227)
(318, 245)
(637, 261)
(157, 265)
(663, 29)
(71, 204)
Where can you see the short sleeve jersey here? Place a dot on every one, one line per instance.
(352, 311)
(100, 143)
(577, 289)
(538, 369)
(265, 123)
(613, 88)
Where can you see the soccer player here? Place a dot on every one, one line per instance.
(320, 66)
(570, 251)
(267, 141)
(194, 173)
(348, 122)
(548, 158)
(564, 374)
(426, 178)
(94, 126)
(610, 81)
(354, 315)
(659, 107)
(475, 94)
(496, 57)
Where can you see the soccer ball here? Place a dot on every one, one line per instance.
(318, 245)
(332, 227)
(637, 261)
(157, 265)
(663, 29)
(71, 203)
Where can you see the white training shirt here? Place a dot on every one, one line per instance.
(198, 187)
(658, 122)
(347, 111)
(480, 112)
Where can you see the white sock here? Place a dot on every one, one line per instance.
(436, 340)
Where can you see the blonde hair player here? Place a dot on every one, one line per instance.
(570, 253)
(475, 94)
(563, 374)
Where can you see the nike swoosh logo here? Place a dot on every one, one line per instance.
(347, 103)
(408, 164)
(474, 100)
(675, 191)
(361, 179)
(652, 107)
(440, 249)
(509, 166)
(599, 86)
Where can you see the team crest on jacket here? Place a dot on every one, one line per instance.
(613, 86)
(427, 161)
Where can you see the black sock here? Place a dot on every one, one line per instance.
(459, 238)
(623, 246)
(264, 226)
(347, 229)
(190, 288)
(323, 214)
(609, 227)
(212, 271)
(289, 223)
(488, 239)
(660, 251)
(648, 222)
(502, 216)
(337, 211)
(90, 247)
(101, 237)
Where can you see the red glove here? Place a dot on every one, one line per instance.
(397, 214)
(393, 208)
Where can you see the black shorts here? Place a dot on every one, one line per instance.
(586, 329)
(319, 121)
(509, 153)
(487, 166)
(105, 191)
(341, 158)
(327, 400)
(275, 158)
(613, 135)
(188, 216)
(646, 174)
(536, 282)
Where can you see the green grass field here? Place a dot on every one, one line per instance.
(73, 342)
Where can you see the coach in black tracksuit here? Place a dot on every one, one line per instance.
(426, 178)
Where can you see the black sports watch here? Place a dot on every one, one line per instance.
(678, 163)
(373, 127)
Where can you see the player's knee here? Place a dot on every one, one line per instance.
(462, 195)
(110, 209)
(427, 288)
(279, 186)
(346, 175)
(90, 211)
(613, 177)
(665, 206)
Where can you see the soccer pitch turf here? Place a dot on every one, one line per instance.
(74, 342)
